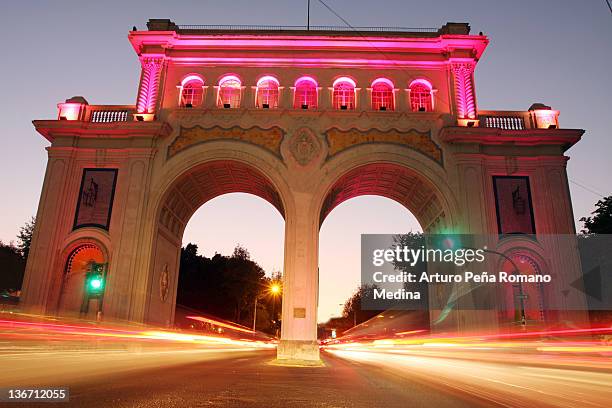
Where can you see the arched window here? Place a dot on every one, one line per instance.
(230, 89)
(382, 95)
(267, 93)
(421, 96)
(343, 96)
(305, 93)
(192, 91)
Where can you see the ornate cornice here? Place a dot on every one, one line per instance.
(269, 139)
(565, 138)
(421, 142)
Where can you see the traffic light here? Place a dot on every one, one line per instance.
(94, 283)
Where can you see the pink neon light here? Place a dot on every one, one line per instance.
(422, 82)
(230, 81)
(382, 81)
(546, 118)
(229, 91)
(267, 78)
(192, 77)
(432, 45)
(464, 88)
(344, 79)
(383, 96)
(266, 93)
(421, 97)
(306, 94)
(305, 78)
(149, 84)
(70, 111)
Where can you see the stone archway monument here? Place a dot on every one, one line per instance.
(302, 119)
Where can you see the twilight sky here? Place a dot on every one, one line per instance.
(558, 52)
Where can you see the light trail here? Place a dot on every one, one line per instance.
(504, 380)
(26, 330)
(538, 368)
(55, 351)
(221, 324)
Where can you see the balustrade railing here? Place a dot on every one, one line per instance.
(109, 113)
(507, 120)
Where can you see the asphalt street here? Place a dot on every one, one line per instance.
(247, 379)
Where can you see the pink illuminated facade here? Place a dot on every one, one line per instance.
(305, 120)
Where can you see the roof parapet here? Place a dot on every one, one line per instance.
(450, 28)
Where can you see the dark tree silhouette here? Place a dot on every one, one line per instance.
(225, 287)
(24, 238)
(12, 267)
(601, 221)
(353, 312)
(13, 258)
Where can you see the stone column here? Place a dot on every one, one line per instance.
(465, 99)
(363, 99)
(248, 97)
(52, 224)
(325, 98)
(149, 84)
(285, 97)
(556, 233)
(300, 284)
(131, 193)
(401, 100)
(210, 101)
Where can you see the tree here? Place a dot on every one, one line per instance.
(353, 310)
(601, 222)
(241, 252)
(412, 240)
(224, 286)
(24, 238)
(12, 267)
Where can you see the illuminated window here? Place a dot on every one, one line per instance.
(305, 93)
(192, 91)
(343, 96)
(230, 89)
(382, 95)
(421, 99)
(267, 93)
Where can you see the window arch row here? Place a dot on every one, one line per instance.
(267, 93)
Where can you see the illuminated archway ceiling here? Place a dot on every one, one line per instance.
(391, 181)
(82, 256)
(210, 180)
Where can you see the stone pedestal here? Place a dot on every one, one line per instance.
(298, 351)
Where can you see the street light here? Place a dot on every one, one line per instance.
(274, 289)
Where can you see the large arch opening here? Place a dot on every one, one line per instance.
(223, 185)
(398, 183)
(384, 198)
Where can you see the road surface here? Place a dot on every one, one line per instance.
(246, 379)
(113, 367)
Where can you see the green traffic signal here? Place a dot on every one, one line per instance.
(95, 283)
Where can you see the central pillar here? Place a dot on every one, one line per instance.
(300, 285)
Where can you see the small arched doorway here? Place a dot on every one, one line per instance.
(75, 297)
(523, 301)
